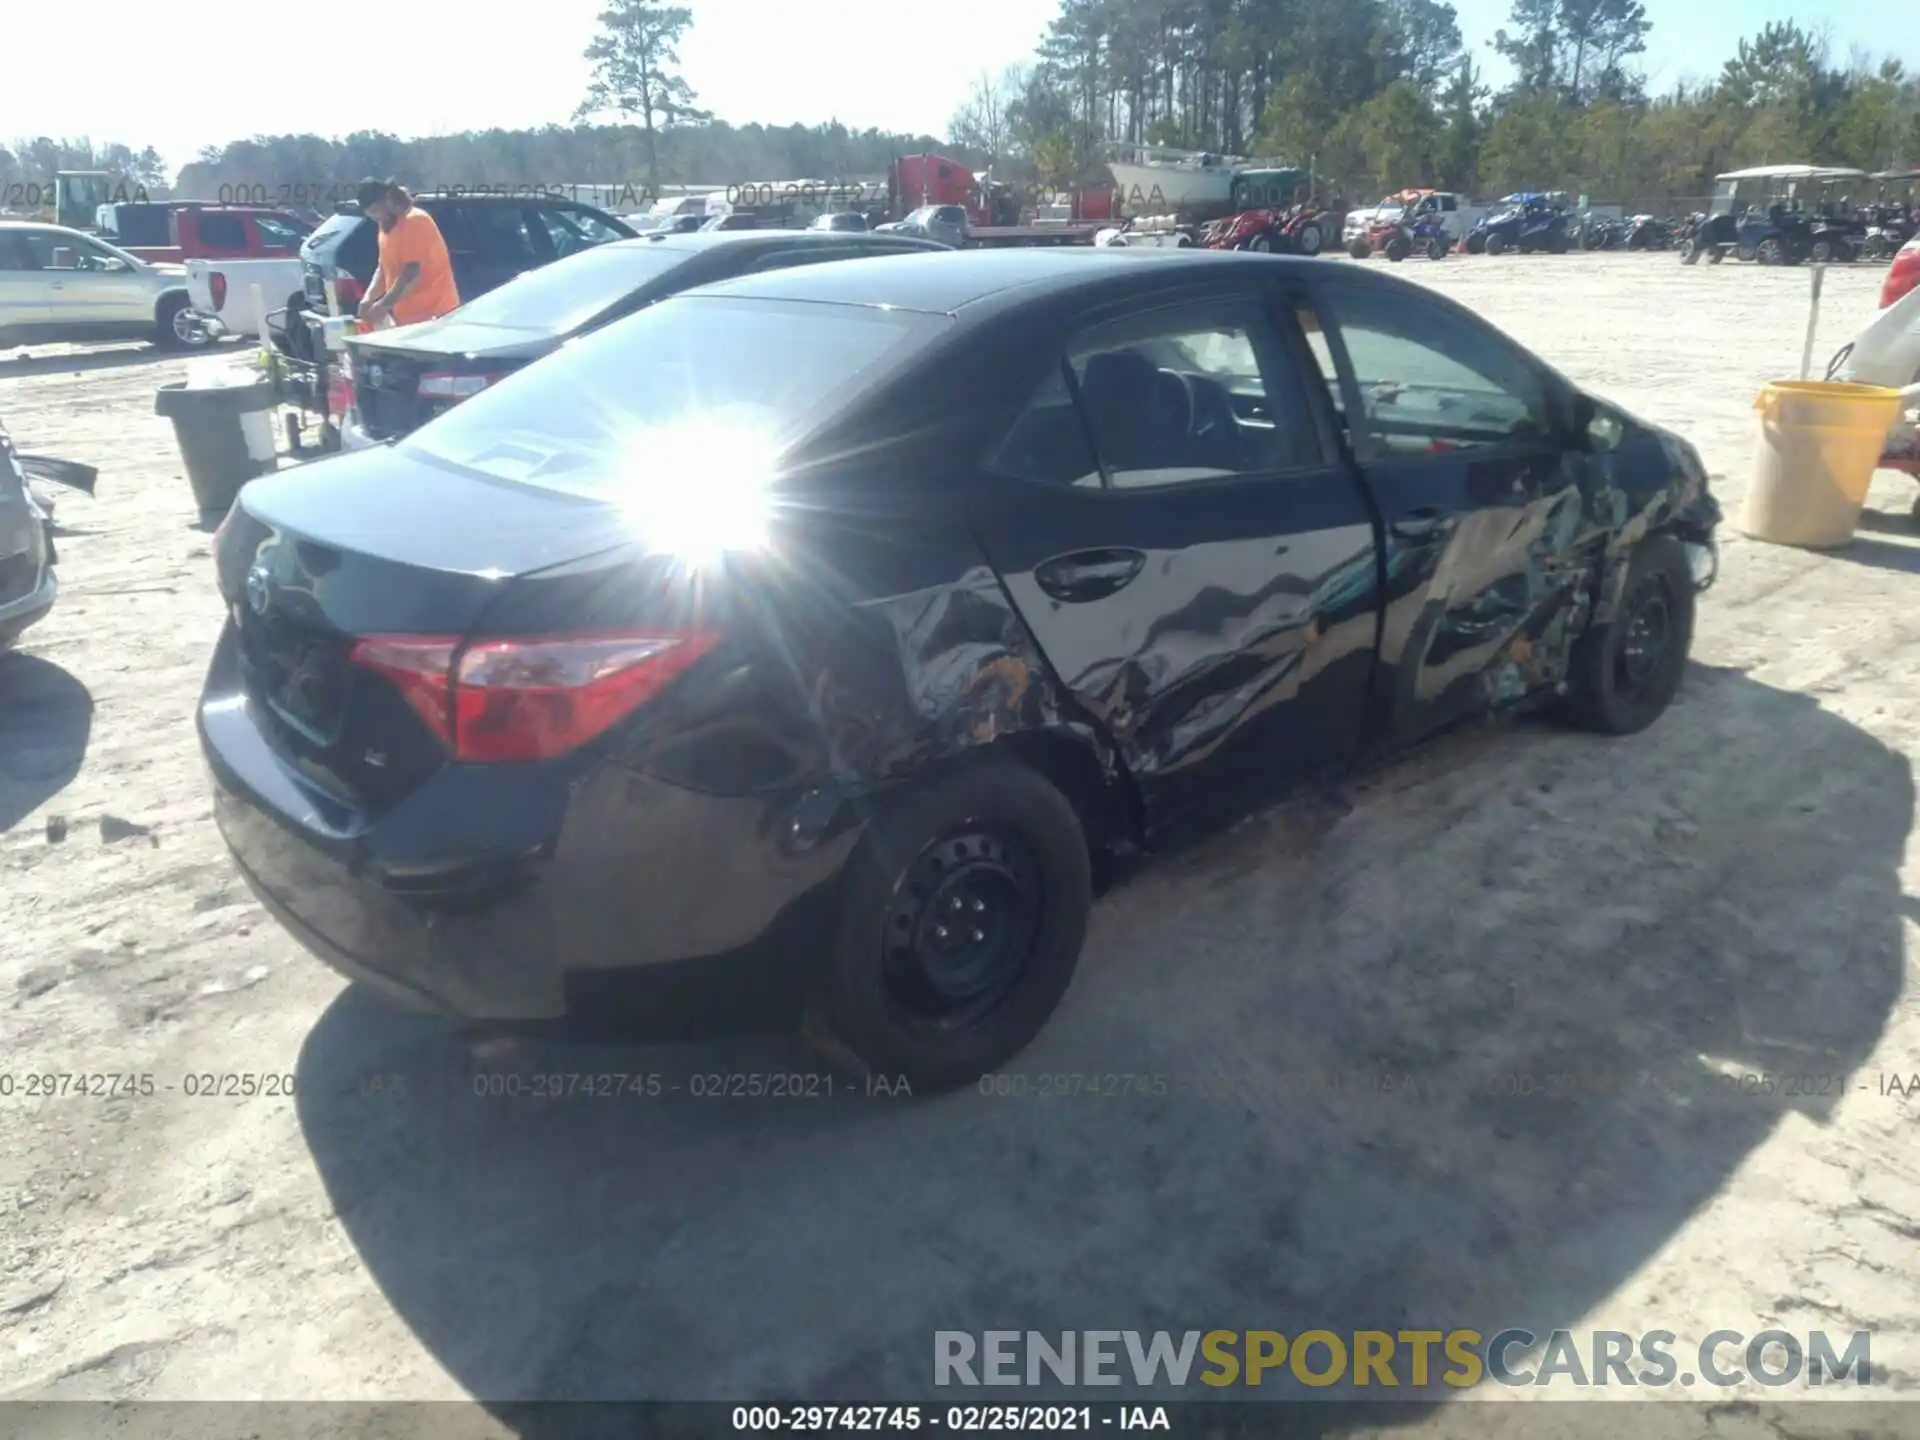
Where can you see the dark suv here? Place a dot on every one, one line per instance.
(491, 239)
(403, 378)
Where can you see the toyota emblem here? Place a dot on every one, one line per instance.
(259, 589)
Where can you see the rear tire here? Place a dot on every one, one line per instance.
(909, 991)
(1359, 249)
(1689, 252)
(1398, 249)
(1625, 673)
(1437, 248)
(1308, 239)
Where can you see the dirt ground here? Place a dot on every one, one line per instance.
(1346, 1010)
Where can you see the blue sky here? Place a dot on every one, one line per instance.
(895, 64)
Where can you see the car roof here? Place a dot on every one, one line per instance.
(947, 282)
(44, 225)
(700, 240)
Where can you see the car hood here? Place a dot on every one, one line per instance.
(454, 336)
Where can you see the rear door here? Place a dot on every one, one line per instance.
(1172, 519)
(496, 243)
(1456, 432)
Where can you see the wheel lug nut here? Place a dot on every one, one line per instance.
(979, 907)
(978, 936)
(940, 932)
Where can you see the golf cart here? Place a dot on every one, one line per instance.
(1775, 228)
(1890, 218)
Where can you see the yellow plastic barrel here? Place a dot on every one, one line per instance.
(1820, 441)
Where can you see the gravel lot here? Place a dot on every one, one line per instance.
(1725, 894)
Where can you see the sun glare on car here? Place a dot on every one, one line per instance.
(699, 488)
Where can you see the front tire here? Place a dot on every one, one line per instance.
(1261, 244)
(1308, 239)
(1398, 249)
(1496, 244)
(174, 327)
(1625, 673)
(1437, 248)
(1359, 249)
(963, 910)
(1690, 252)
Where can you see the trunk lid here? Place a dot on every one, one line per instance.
(387, 371)
(377, 542)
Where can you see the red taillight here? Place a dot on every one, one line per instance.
(217, 283)
(350, 292)
(339, 397)
(531, 699)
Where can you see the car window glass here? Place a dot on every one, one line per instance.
(597, 231)
(1192, 394)
(51, 250)
(13, 254)
(566, 240)
(504, 232)
(1431, 381)
(228, 232)
(1048, 443)
(275, 232)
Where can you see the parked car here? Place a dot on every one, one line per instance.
(490, 238)
(173, 232)
(403, 378)
(58, 284)
(803, 638)
(27, 554)
(945, 223)
(845, 221)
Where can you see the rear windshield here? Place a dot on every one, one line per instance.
(561, 297)
(692, 381)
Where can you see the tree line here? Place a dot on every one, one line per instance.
(1372, 94)
(1382, 94)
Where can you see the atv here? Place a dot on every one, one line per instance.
(1426, 236)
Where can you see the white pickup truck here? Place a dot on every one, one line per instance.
(221, 292)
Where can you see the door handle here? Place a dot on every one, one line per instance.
(1088, 574)
(1420, 527)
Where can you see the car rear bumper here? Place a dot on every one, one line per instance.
(536, 892)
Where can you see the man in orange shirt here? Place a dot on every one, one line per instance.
(415, 278)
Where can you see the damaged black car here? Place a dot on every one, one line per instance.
(805, 640)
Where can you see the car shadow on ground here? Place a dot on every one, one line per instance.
(46, 717)
(28, 363)
(1460, 1058)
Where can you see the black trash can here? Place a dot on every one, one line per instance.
(208, 423)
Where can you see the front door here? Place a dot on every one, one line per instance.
(87, 286)
(1455, 430)
(1171, 516)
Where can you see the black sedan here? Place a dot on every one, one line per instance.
(403, 378)
(673, 667)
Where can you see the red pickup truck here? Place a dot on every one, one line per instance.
(171, 232)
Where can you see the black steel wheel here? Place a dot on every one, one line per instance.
(1626, 671)
(1770, 251)
(962, 914)
(960, 925)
